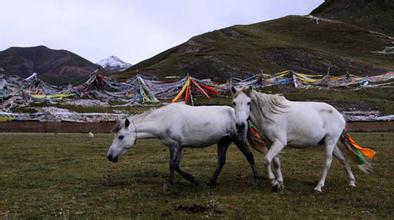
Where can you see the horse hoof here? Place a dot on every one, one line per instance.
(277, 187)
(167, 186)
(195, 182)
(352, 185)
(258, 180)
(274, 182)
(211, 183)
(317, 189)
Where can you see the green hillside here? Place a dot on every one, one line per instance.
(376, 15)
(292, 42)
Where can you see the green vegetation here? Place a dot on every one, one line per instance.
(374, 15)
(291, 42)
(68, 176)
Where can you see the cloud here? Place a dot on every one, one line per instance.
(133, 30)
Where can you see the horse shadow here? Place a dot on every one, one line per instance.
(156, 178)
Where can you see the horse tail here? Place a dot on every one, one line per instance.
(361, 155)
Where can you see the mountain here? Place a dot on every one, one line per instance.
(376, 15)
(113, 64)
(300, 43)
(53, 66)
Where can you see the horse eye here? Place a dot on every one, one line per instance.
(248, 103)
(121, 137)
(234, 103)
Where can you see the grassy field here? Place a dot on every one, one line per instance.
(46, 175)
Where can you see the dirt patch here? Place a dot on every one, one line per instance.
(192, 208)
(196, 208)
(370, 126)
(56, 127)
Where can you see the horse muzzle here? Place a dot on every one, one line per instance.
(111, 158)
(240, 126)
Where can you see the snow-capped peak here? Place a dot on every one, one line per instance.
(114, 64)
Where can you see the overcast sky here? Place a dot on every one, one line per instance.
(130, 29)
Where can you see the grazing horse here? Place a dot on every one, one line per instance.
(281, 123)
(181, 126)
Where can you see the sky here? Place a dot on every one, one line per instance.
(133, 30)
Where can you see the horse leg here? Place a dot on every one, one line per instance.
(339, 155)
(273, 151)
(329, 148)
(277, 183)
(169, 183)
(184, 174)
(272, 154)
(249, 156)
(222, 147)
(270, 174)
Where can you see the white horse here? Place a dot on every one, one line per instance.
(180, 126)
(282, 123)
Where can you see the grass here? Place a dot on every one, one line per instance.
(379, 19)
(68, 176)
(290, 42)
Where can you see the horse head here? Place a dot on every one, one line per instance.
(241, 104)
(125, 137)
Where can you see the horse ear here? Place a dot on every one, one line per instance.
(126, 123)
(233, 90)
(248, 90)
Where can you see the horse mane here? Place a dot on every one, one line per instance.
(117, 127)
(119, 124)
(143, 115)
(268, 104)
